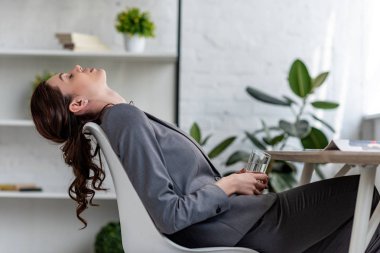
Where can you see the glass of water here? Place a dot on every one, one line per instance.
(258, 162)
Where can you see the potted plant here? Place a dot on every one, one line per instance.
(136, 26)
(41, 77)
(305, 127)
(108, 239)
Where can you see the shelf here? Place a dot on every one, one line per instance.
(50, 195)
(162, 57)
(372, 117)
(17, 122)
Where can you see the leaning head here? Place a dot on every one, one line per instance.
(64, 99)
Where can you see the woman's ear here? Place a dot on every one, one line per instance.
(78, 105)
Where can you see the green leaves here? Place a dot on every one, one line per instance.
(325, 105)
(275, 140)
(195, 132)
(108, 239)
(255, 141)
(324, 123)
(299, 129)
(316, 139)
(39, 78)
(221, 147)
(299, 79)
(319, 80)
(263, 97)
(275, 137)
(134, 22)
(237, 156)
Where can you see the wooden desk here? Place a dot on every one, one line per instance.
(363, 227)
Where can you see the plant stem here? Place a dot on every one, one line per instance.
(301, 109)
(284, 142)
(293, 110)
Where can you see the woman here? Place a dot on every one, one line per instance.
(179, 186)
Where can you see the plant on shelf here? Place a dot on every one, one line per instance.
(302, 127)
(41, 77)
(196, 133)
(136, 26)
(108, 239)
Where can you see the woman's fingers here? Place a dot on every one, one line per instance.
(260, 186)
(245, 183)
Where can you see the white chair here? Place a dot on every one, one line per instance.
(139, 234)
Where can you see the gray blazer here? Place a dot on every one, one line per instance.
(176, 181)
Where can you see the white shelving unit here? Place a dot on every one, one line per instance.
(153, 92)
(17, 123)
(148, 57)
(148, 79)
(50, 195)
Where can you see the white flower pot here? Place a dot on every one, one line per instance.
(134, 44)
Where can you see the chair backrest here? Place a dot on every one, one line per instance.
(139, 233)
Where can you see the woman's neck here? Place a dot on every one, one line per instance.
(109, 97)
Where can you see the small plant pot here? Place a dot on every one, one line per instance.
(134, 44)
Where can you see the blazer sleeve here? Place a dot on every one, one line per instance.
(133, 138)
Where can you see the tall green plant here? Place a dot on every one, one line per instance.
(301, 127)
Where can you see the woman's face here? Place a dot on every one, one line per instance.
(88, 82)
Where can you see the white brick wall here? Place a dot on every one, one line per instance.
(229, 44)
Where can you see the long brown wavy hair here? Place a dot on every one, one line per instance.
(55, 122)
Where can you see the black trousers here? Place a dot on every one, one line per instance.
(316, 217)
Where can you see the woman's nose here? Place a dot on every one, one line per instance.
(77, 68)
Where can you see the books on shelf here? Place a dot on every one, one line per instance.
(19, 187)
(81, 42)
(354, 145)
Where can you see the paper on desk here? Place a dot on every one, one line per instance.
(354, 145)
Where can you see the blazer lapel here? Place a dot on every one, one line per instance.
(184, 134)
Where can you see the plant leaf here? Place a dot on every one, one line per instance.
(283, 167)
(205, 140)
(320, 79)
(274, 128)
(325, 105)
(266, 129)
(299, 129)
(221, 147)
(316, 139)
(255, 141)
(290, 100)
(277, 139)
(195, 132)
(282, 181)
(299, 79)
(263, 97)
(324, 123)
(238, 156)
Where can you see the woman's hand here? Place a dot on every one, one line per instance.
(247, 183)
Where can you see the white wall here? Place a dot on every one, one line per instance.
(371, 63)
(230, 44)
